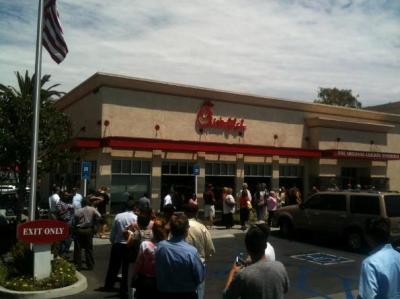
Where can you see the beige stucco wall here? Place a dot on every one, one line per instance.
(135, 114)
(352, 140)
(87, 113)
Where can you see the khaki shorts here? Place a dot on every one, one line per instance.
(209, 211)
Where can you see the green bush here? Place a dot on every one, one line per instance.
(3, 273)
(62, 275)
(22, 259)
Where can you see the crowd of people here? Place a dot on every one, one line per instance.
(164, 255)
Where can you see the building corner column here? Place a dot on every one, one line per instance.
(201, 178)
(275, 173)
(239, 179)
(155, 192)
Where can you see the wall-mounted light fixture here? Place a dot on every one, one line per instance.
(338, 139)
(157, 127)
(275, 136)
(106, 122)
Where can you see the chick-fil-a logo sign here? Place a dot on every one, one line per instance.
(205, 119)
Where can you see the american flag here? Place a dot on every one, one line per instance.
(53, 39)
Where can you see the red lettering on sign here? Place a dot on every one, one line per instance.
(205, 119)
(42, 231)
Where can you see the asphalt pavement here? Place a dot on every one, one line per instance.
(318, 266)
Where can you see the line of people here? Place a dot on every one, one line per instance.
(166, 256)
(85, 217)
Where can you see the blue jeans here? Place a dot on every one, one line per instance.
(200, 289)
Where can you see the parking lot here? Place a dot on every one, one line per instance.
(317, 267)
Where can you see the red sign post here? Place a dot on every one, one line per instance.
(42, 231)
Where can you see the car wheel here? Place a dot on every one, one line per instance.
(354, 240)
(286, 228)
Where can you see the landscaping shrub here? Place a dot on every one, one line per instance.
(22, 259)
(62, 275)
(3, 273)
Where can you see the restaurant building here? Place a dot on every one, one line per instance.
(146, 136)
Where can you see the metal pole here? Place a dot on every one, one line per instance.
(84, 188)
(36, 110)
(195, 185)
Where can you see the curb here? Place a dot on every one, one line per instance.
(73, 289)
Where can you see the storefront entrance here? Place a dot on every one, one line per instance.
(353, 176)
(182, 185)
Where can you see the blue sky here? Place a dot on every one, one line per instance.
(286, 49)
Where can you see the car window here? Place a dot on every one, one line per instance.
(329, 202)
(364, 204)
(392, 203)
(313, 203)
(334, 202)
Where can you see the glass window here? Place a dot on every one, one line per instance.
(93, 168)
(116, 166)
(190, 168)
(290, 171)
(76, 168)
(208, 168)
(146, 167)
(174, 167)
(392, 203)
(165, 167)
(183, 168)
(268, 170)
(136, 166)
(126, 166)
(224, 169)
(260, 170)
(231, 169)
(364, 204)
(246, 169)
(215, 168)
(134, 184)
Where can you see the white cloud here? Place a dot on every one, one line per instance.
(282, 48)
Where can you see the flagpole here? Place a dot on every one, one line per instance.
(36, 110)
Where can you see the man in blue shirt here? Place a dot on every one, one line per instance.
(119, 257)
(179, 269)
(380, 272)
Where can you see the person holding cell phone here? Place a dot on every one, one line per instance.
(260, 279)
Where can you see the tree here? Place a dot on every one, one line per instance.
(337, 97)
(16, 113)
